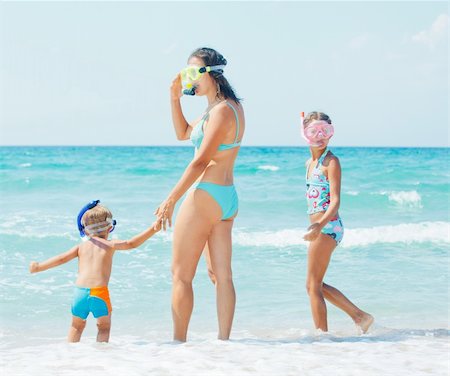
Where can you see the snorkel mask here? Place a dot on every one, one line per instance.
(316, 132)
(96, 228)
(192, 73)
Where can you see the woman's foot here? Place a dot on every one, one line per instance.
(364, 321)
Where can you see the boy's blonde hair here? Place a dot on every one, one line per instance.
(97, 215)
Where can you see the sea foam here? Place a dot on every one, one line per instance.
(404, 198)
(268, 168)
(436, 232)
(245, 355)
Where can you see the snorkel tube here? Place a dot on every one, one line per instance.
(81, 227)
(302, 119)
(190, 91)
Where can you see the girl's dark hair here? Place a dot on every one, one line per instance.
(212, 57)
(316, 115)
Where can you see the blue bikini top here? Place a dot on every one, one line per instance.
(198, 134)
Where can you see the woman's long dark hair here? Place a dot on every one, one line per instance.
(212, 57)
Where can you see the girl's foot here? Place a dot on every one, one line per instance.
(364, 321)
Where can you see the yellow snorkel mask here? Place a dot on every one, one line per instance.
(193, 73)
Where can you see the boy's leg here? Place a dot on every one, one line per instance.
(104, 328)
(76, 329)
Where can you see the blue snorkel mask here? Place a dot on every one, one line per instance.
(96, 227)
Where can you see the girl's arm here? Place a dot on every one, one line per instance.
(214, 135)
(54, 261)
(334, 177)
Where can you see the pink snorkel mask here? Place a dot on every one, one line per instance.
(316, 132)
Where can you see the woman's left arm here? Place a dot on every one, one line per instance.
(214, 135)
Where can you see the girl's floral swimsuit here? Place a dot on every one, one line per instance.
(318, 198)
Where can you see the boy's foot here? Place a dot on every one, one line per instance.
(365, 322)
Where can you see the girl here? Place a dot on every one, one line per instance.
(323, 188)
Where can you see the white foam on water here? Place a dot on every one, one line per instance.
(24, 165)
(268, 168)
(405, 233)
(436, 232)
(289, 354)
(404, 198)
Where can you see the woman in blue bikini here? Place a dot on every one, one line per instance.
(206, 216)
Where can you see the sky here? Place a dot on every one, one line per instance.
(98, 73)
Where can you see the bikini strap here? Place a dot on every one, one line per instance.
(308, 162)
(322, 157)
(237, 120)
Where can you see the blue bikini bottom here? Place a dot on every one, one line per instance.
(225, 195)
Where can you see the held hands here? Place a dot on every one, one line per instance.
(313, 232)
(156, 226)
(164, 214)
(34, 267)
(175, 88)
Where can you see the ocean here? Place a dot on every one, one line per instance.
(393, 263)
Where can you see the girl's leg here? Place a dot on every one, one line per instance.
(319, 254)
(76, 329)
(104, 328)
(219, 243)
(196, 217)
(334, 296)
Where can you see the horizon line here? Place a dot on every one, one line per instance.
(243, 146)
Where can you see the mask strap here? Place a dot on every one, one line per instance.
(210, 68)
(98, 228)
(91, 205)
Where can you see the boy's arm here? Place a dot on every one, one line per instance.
(54, 261)
(136, 241)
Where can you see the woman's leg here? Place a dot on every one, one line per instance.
(319, 254)
(219, 243)
(76, 329)
(211, 275)
(196, 217)
(334, 296)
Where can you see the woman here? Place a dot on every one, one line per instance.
(207, 213)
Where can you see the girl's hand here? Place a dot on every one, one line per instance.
(34, 267)
(313, 232)
(164, 213)
(175, 88)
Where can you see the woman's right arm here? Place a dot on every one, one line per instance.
(182, 127)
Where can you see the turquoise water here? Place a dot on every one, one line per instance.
(393, 261)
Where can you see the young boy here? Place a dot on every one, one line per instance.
(94, 268)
